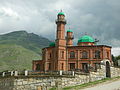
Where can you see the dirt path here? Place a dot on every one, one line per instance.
(110, 85)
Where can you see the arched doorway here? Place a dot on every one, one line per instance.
(108, 74)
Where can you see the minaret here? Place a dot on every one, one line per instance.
(69, 38)
(60, 37)
(60, 62)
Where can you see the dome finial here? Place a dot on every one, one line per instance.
(61, 13)
(69, 30)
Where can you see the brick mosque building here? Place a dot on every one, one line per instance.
(62, 55)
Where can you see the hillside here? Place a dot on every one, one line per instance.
(14, 57)
(19, 48)
(27, 40)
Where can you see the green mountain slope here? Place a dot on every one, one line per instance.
(14, 57)
(19, 48)
(27, 40)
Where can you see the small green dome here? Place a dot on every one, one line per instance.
(86, 38)
(69, 30)
(61, 13)
(52, 44)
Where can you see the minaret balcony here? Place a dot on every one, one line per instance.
(69, 37)
(60, 21)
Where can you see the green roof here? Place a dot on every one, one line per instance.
(61, 13)
(86, 38)
(52, 44)
(69, 30)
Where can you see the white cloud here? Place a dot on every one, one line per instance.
(116, 51)
(8, 12)
(99, 18)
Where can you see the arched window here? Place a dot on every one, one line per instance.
(62, 54)
(72, 54)
(107, 54)
(49, 55)
(85, 54)
(97, 54)
(37, 67)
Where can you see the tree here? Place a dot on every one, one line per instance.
(118, 57)
(115, 60)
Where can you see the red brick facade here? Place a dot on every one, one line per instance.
(64, 56)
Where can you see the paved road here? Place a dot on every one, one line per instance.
(115, 85)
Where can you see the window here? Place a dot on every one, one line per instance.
(97, 66)
(107, 54)
(72, 54)
(62, 66)
(97, 54)
(72, 66)
(62, 54)
(37, 67)
(84, 54)
(49, 66)
(85, 67)
(49, 56)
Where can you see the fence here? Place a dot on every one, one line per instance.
(37, 73)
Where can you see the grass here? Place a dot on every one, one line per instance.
(15, 57)
(54, 88)
(78, 87)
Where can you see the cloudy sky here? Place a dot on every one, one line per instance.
(99, 18)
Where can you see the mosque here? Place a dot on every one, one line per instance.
(63, 55)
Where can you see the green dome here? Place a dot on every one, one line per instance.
(61, 13)
(69, 30)
(86, 38)
(52, 44)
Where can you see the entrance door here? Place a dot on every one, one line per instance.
(85, 67)
(72, 66)
(108, 69)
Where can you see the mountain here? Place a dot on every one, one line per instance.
(27, 40)
(19, 48)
